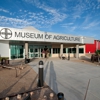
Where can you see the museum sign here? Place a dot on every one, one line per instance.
(27, 35)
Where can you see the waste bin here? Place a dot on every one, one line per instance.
(60, 96)
(27, 60)
(3, 61)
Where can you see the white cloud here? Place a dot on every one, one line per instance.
(3, 10)
(91, 25)
(14, 22)
(98, 0)
(55, 15)
(90, 22)
(67, 25)
(20, 10)
(87, 20)
(34, 19)
(98, 7)
(81, 8)
(76, 9)
(73, 28)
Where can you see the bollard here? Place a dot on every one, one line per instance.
(68, 56)
(25, 60)
(40, 80)
(60, 96)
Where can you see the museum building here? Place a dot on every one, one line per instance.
(30, 42)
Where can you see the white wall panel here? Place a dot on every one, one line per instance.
(4, 48)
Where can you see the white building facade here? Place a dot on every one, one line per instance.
(30, 42)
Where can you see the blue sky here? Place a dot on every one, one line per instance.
(76, 17)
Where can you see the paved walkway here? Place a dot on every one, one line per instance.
(71, 78)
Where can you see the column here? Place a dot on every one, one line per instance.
(77, 51)
(40, 52)
(9, 53)
(26, 49)
(24, 54)
(61, 50)
(51, 51)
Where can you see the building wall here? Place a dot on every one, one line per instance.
(92, 47)
(68, 46)
(5, 52)
(4, 48)
(99, 45)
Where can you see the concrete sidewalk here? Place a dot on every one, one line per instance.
(71, 78)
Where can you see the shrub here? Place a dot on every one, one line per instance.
(97, 52)
(4, 57)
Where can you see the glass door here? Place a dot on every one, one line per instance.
(45, 48)
(16, 51)
(35, 51)
(31, 55)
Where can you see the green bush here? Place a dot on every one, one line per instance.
(4, 57)
(97, 52)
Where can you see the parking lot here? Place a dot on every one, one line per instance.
(77, 80)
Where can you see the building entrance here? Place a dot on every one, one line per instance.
(35, 51)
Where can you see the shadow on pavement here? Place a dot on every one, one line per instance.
(85, 58)
(45, 70)
(33, 82)
(52, 79)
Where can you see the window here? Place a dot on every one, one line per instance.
(36, 50)
(81, 50)
(69, 50)
(56, 50)
(31, 50)
(64, 50)
(73, 50)
(16, 51)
